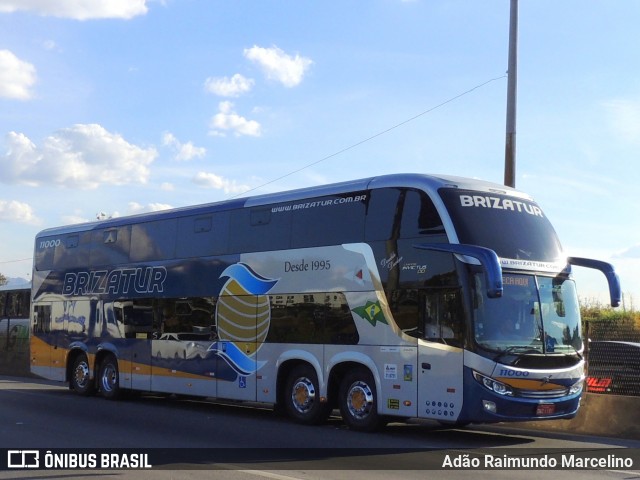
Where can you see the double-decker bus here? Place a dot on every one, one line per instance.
(396, 296)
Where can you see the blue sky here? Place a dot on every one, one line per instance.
(125, 106)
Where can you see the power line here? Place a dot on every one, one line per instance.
(16, 261)
(357, 144)
(350, 147)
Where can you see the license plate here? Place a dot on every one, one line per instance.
(545, 409)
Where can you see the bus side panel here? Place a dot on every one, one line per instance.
(393, 368)
(440, 381)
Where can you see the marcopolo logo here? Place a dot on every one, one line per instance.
(23, 459)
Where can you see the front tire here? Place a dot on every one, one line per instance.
(302, 396)
(80, 381)
(358, 401)
(109, 378)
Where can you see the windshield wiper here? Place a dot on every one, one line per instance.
(518, 351)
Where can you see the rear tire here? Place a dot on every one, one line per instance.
(80, 381)
(302, 396)
(359, 402)
(109, 378)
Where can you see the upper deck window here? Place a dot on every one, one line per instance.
(394, 213)
(327, 220)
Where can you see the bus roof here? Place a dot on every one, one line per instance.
(428, 183)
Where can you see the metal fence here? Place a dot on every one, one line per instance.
(612, 353)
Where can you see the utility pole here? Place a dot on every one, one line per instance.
(512, 89)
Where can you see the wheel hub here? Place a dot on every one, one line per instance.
(81, 374)
(303, 395)
(360, 400)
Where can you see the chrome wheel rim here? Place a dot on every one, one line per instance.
(109, 378)
(81, 374)
(360, 400)
(303, 395)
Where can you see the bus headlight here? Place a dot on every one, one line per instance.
(493, 385)
(576, 387)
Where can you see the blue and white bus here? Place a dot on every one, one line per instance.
(396, 296)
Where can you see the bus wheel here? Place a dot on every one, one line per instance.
(80, 381)
(302, 396)
(109, 378)
(358, 402)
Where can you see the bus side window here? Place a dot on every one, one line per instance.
(17, 305)
(419, 216)
(42, 317)
(258, 229)
(383, 215)
(408, 213)
(201, 235)
(110, 246)
(405, 307)
(152, 241)
(330, 220)
(443, 316)
(313, 318)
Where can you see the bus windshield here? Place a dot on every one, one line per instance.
(536, 314)
(513, 227)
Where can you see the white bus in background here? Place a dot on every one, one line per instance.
(14, 328)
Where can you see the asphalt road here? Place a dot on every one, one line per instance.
(195, 439)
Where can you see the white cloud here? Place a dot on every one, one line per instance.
(83, 156)
(77, 9)
(14, 211)
(229, 87)
(184, 151)
(624, 118)
(74, 219)
(135, 207)
(279, 66)
(16, 76)
(167, 187)
(226, 120)
(211, 180)
(631, 252)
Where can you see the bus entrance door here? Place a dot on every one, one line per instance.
(440, 356)
(48, 353)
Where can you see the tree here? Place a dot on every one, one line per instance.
(3, 280)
